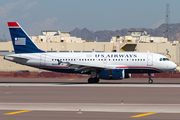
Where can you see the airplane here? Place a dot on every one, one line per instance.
(100, 65)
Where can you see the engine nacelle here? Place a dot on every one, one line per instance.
(114, 74)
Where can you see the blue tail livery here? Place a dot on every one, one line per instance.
(21, 41)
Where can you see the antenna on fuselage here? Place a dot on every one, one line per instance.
(148, 51)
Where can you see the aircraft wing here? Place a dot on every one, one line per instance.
(87, 67)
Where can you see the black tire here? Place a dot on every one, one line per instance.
(150, 81)
(96, 80)
(93, 80)
(90, 80)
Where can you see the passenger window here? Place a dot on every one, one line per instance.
(79, 59)
(74, 59)
(90, 59)
(101, 59)
(93, 59)
(109, 59)
(160, 59)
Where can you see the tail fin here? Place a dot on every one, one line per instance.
(20, 39)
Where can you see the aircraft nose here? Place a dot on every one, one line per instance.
(173, 66)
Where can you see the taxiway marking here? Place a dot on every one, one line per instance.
(11, 113)
(145, 114)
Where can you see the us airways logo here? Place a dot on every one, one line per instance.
(116, 55)
(58, 62)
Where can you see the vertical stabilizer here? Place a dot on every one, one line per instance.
(20, 39)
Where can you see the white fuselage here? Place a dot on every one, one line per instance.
(132, 62)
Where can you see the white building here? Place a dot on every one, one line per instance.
(56, 37)
(140, 37)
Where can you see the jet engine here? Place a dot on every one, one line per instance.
(114, 74)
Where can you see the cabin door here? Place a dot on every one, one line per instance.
(43, 60)
(150, 60)
(105, 60)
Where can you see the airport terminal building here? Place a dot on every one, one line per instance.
(56, 41)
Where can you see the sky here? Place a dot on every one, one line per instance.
(95, 15)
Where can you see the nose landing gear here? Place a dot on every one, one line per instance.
(150, 80)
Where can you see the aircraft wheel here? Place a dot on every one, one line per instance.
(150, 81)
(93, 80)
(96, 80)
(90, 80)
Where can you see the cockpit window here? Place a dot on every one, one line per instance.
(163, 59)
(167, 59)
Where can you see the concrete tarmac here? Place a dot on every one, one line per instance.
(73, 98)
(93, 107)
(84, 80)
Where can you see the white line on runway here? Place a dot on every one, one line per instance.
(88, 85)
(95, 107)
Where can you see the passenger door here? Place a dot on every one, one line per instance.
(150, 60)
(42, 60)
(105, 60)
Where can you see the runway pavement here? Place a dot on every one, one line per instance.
(93, 107)
(74, 99)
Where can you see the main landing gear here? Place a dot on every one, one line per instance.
(93, 80)
(150, 80)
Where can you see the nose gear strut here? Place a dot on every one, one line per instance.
(150, 80)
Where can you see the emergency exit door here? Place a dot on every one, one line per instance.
(150, 60)
(43, 60)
